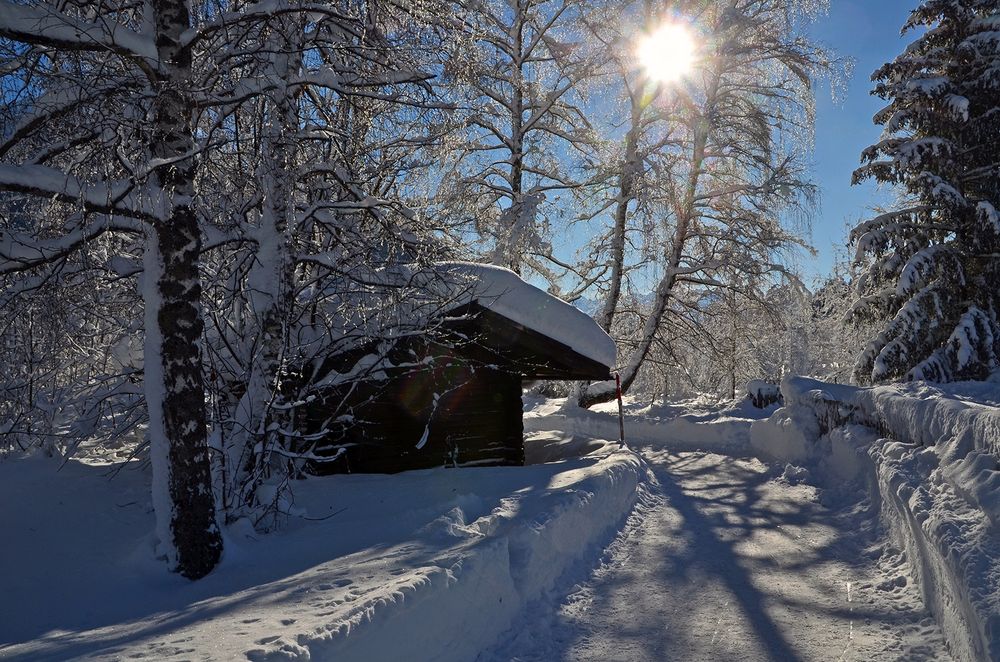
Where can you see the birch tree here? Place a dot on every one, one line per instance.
(626, 169)
(74, 49)
(136, 128)
(738, 165)
(330, 118)
(516, 68)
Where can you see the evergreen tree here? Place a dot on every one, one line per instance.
(932, 267)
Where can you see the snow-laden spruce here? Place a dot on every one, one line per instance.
(930, 265)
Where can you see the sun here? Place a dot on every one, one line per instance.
(667, 55)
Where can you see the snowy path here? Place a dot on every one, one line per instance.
(725, 562)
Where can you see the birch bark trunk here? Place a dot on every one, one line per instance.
(174, 383)
(270, 286)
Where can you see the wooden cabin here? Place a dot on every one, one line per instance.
(453, 397)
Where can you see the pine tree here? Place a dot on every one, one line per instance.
(931, 273)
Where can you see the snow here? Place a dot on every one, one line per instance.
(794, 529)
(762, 393)
(725, 560)
(118, 195)
(724, 557)
(503, 292)
(940, 190)
(684, 425)
(153, 387)
(59, 28)
(919, 269)
(517, 229)
(989, 215)
(928, 86)
(929, 456)
(382, 567)
(959, 106)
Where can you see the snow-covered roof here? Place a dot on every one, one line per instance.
(505, 293)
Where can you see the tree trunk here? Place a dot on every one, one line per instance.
(686, 213)
(626, 193)
(174, 383)
(270, 287)
(514, 233)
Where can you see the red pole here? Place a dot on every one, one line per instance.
(621, 413)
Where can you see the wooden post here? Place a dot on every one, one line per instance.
(621, 413)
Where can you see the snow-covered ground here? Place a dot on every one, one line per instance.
(729, 558)
(726, 560)
(686, 547)
(425, 564)
(930, 457)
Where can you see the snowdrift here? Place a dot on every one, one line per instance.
(472, 594)
(930, 458)
(431, 564)
(678, 426)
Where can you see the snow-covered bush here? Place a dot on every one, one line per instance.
(763, 394)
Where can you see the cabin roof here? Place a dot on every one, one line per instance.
(488, 338)
(503, 293)
(495, 319)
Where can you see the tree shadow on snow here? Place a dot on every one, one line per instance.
(729, 537)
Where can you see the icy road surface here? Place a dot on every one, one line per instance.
(725, 559)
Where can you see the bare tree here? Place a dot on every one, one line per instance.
(149, 54)
(247, 150)
(328, 121)
(516, 69)
(625, 170)
(737, 166)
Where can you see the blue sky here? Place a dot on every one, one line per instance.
(868, 32)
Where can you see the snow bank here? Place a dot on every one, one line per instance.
(929, 456)
(715, 430)
(503, 292)
(430, 564)
(457, 607)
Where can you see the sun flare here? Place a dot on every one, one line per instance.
(667, 54)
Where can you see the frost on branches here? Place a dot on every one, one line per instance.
(730, 182)
(931, 266)
(231, 174)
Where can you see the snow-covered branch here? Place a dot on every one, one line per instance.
(47, 25)
(121, 197)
